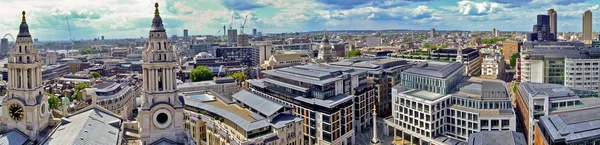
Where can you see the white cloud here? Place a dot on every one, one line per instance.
(478, 8)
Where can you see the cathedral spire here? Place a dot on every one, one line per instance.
(156, 13)
(157, 25)
(24, 29)
(23, 17)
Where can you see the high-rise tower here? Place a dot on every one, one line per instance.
(553, 25)
(587, 28)
(25, 105)
(161, 112)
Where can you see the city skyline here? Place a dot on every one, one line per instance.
(126, 19)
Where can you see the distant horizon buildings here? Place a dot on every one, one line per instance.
(185, 33)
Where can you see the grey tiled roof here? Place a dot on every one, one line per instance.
(313, 74)
(90, 127)
(572, 127)
(497, 138)
(263, 105)
(13, 137)
(239, 120)
(493, 86)
(546, 90)
(435, 69)
(282, 119)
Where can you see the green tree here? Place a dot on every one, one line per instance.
(444, 46)
(95, 74)
(53, 101)
(4, 92)
(513, 59)
(354, 53)
(201, 73)
(239, 76)
(78, 88)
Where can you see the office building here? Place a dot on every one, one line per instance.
(245, 119)
(509, 48)
(160, 118)
(577, 127)
(534, 100)
(432, 33)
(374, 41)
(225, 86)
(587, 28)
(265, 50)
(248, 56)
(541, 31)
(544, 62)
(102, 38)
(468, 56)
(425, 117)
(231, 37)
(118, 98)
(385, 73)
(552, 14)
(254, 32)
(497, 138)
(286, 60)
(185, 33)
(493, 66)
(302, 48)
(242, 40)
(441, 77)
(333, 101)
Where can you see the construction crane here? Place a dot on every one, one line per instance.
(231, 22)
(217, 32)
(243, 24)
(70, 36)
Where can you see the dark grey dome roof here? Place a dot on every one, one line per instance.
(157, 25)
(24, 29)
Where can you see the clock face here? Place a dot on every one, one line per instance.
(16, 112)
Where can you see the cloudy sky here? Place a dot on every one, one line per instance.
(132, 18)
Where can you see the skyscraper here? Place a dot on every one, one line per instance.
(185, 33)
(254, 32)
(587, 28)
(432, 33)
(541, 31)
(3, 45)
(553, 26)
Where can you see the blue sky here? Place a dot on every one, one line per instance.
(132, 18)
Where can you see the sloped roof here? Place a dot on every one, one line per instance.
(13, 137)
(93, 126)
(263, 105)
(572, 127)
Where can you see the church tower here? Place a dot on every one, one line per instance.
(325, 49)
(25, 106)
(161, 112)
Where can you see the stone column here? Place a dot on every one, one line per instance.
(375, 141)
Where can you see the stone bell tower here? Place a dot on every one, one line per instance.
(161, 112)
(26, 105)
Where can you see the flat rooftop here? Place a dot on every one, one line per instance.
(486, 112)
(435, 69)
(431, 96)
(553, 91)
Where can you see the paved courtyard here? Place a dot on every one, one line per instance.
(364, 138)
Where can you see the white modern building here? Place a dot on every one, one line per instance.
(493, 66)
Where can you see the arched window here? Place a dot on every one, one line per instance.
(165, 44)
(20, 58)
(158, 45)
(26, 51)
(20, 49)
